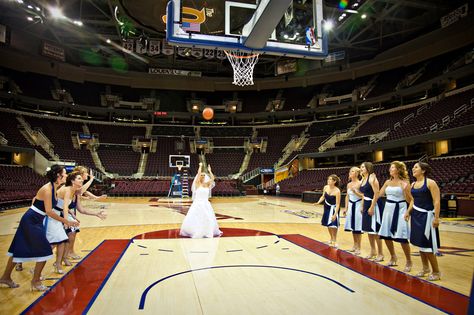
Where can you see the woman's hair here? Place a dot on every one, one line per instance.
(426, 168)
(53, 172)
(402, 169)
(80, 169)
(357, 170)
(71, 177)
(335, 178)
(369, 167)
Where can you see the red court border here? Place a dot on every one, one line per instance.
(73, 293)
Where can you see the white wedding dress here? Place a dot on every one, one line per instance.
(200, 221)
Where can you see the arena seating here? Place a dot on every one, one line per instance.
(226, 132)
(278, 138)
(18, 184)
(118, 159)
(326, 128)
(435, 114)
(453, 175)
(158, 162)
(91, 98)
(116, 134)
(156, 187)
(228, 142)
(59, 133)
(172, 131)
(9, 127)
(225, 161)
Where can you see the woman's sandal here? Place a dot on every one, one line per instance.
(57, 269)
(10, 283)
(435, 276)
(392, 263)
(32, 271)
(408, 267)
(378, 259)
(38, 287)
(422, 273)
(66, 262)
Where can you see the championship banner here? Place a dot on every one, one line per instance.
(53, 51)
(167, 49)
(185, 73)
(286, 66)
(128, 44)
(454, 16)
(183, 51)
(3, 34)
(140, 46)
(154, 47)
(220, 54)
(209, 53)
(197, 52)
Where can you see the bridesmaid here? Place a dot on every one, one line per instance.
(394, 227)
(29, 242)
(353, 209)
(371, 211)
(332, 201)
(424, 210)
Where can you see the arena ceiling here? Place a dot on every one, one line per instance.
(92, 35)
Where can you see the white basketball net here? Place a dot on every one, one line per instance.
(243, 64)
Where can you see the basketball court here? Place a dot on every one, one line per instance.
(271, 259)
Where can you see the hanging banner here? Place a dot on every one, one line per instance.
(140, 46)
(53, 51)
(167, 49)
(128, 44)
(154, 47)
(3, 34)
(197, 52)
(454, 16)
(175, 72)
(209, 53)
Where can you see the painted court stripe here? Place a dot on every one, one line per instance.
(141, 306)
(434, 295)
(80, 284)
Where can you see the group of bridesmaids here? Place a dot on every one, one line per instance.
(50, 222)
(410, 213)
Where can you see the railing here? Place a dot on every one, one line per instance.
(249, 175)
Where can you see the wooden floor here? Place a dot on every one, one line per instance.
(281, 277)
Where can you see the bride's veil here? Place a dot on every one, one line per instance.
(206, 179)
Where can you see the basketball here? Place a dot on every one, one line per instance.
(208, 113)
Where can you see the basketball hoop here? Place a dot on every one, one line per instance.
(243, 64)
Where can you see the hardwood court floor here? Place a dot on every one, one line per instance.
(128, 217)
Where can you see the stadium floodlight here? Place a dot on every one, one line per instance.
(56, 13)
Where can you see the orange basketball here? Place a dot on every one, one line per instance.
(208, 113)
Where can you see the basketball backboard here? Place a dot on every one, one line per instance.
(179, 161)
(228, 25)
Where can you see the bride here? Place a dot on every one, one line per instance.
(200, 221)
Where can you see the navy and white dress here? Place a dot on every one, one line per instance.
(394, 227)
(370, 223)
(353, 215)
(72, 208)
(55, 232)
(423, 234)
(29, 242)
(329, 210)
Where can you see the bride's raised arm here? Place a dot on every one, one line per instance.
(193, 186)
